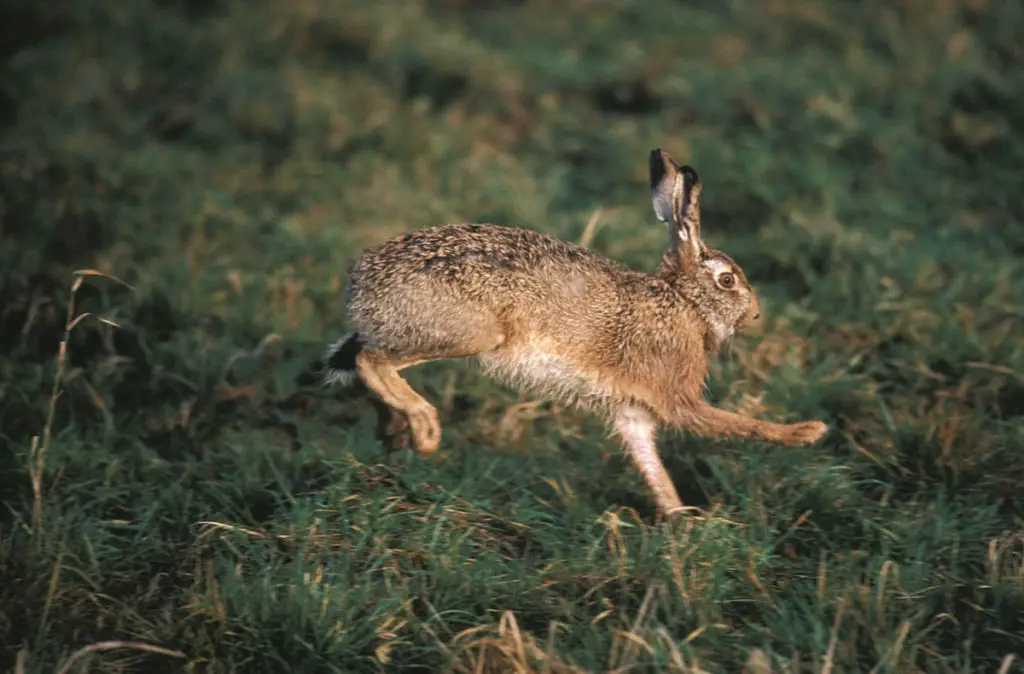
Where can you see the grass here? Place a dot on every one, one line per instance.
(180, 493)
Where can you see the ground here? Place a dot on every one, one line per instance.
(182, 483)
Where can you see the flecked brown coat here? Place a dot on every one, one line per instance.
(560, 321)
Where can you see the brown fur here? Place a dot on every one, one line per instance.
(561, 321)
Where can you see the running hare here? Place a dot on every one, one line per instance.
(560, 321)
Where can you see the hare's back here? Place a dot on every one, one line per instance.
(531, 281)
(456, 249)
(489, 263)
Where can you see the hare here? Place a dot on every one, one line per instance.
(560, 321)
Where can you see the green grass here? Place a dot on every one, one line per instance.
(196, 489)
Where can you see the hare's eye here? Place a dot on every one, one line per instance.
(727, 280)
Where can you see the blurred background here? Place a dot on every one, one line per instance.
(862, 162)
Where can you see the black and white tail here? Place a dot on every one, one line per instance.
(339, 361)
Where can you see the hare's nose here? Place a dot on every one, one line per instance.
(754, 310)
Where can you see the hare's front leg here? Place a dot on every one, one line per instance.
(713, 421)
(637, 430)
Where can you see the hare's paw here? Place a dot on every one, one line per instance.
(426, 430)
(804, 433)
(395, 435)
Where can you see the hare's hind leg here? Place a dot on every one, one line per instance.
(378, 369)
(397, 402)
(637, 430)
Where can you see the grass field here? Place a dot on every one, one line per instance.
(195, 493)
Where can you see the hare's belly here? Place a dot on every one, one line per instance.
(543, 372)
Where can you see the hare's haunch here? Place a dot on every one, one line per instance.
(560, 321)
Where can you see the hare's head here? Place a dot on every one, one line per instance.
(716, 285)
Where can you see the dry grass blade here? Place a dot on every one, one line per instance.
(104, 646)
(590, 231)
(507, 649)
(758, 662)
(81, 317)
(829, 661)
(80, 273)
(39, 447)
(209, 526)
(632, 639)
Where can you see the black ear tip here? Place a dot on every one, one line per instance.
(690, 175)
(657, 167)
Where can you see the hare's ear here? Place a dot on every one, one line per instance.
(675, 194)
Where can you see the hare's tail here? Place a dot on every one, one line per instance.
(339, 362)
